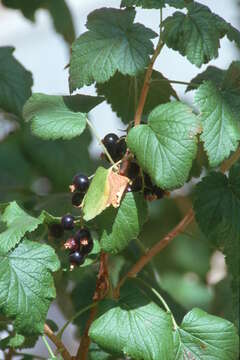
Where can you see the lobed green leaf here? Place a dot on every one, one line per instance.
(27, 286)
(166, 147)
(113, 43)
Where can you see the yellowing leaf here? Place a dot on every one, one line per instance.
(107, 188)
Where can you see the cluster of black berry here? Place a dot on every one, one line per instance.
(79, 187)
(115, 146)
(140, 181)
(80, 244)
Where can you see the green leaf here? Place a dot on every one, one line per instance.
(57, 8)
(220, 120)
(55, 117)
(27, 286)
(95, 199)
(166, 147)
(119, 226)
(112, 43)
(15, 82)
(118, 86)
(217, 206)
(134, 326)
(203, 336)
(217, 209)
(154, 4)
(18, 224)
(197, 34)
(212, 74)
(12, 341)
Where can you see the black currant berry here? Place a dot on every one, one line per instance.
(77, 199)
(121, 148)
(133, 171)
(55, 230)
(82, 234)
(81, 183)
(76, 258)
(137, 184)
(71, 244)
(110, 141)
(148, 181)
(86, 246)
(129, 188)
(67, 222)
(158, 192)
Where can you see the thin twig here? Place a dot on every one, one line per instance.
(100, 142)
(102, 288)
(9, 354)
(228, 163)
(57, 342)
(82, 353)
(146, 84)
(75, 316)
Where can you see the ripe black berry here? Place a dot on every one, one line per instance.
(110, 141)
(76, 258)
(121, 148)
(67, 222)
(158, 192)
(82, 234)
(55, 230)
(81, 183)
(86, 246)
(133, 170)
(77, 199)
(137, 184)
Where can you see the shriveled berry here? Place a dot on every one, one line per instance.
(55, 230)
(81, 183)
(76, 258)
(68, 222)
(77, 199)
(71, 244)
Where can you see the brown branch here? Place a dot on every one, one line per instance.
(159, 246)
(57, 342)
(228, 163)
(82, 353)
(9, 354)
(102, 288)
(146, 84)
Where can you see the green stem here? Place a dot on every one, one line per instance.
(100, 141)
(176, 82)
(175, 325)
(48, 347)
(79, 313)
